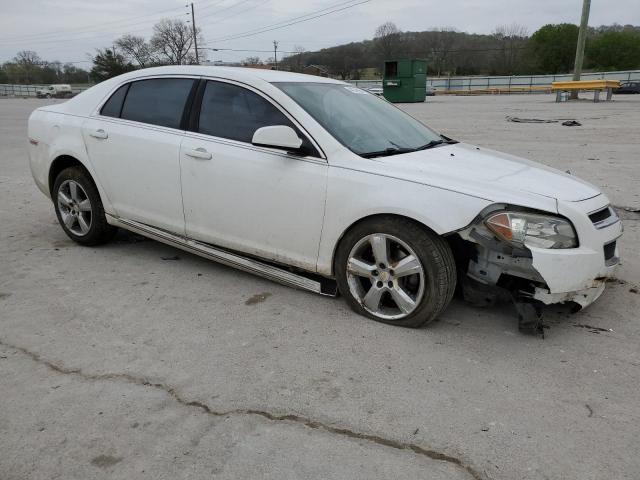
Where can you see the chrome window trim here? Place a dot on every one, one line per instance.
(96, 111)
(96, 114)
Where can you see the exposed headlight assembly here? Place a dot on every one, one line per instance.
(530, 229)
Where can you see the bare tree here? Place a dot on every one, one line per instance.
(136, 49)
(440, 46)
(28, 63)
(173, 41)
(252, 61)
(511, 39)
(299, 52)
(27, 57)
(387, 40)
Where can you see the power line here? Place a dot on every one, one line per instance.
(252, 7)
(211, 5)
(99, 26)
(65, 38)
(225, 9)
(244, 50)
(89, 28)
(281, 23)
(292, 21)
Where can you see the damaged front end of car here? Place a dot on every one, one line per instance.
(511, 253)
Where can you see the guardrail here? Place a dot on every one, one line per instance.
(507, 84)
(14, 90)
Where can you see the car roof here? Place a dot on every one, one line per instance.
(85, 102)
(231, 73)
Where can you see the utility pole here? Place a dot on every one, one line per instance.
(582, 37)
(275, 54)
(195, 39)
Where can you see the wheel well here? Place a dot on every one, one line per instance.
(58, 165)
(378, 216)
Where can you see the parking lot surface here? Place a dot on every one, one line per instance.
(136, 360)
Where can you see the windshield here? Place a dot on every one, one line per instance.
(364, 123)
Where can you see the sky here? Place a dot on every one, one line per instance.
(71, 30)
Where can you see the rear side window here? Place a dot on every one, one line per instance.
(113, 106)
(233, 112)
(158, 101)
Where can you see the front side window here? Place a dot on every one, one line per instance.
(233, 112)
(364, 123)
(158, 101)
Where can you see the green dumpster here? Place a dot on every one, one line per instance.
(405, 80)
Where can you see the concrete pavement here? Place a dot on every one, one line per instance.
(136, 360)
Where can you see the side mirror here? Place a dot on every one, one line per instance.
(277, 136)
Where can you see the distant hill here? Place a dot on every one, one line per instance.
(510, 50)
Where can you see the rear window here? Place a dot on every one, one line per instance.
(158, 101)
(113, 106)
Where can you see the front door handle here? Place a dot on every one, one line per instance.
(100, 133)
(198, 153)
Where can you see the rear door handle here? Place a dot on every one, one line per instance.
(198, 153)
(100, 133)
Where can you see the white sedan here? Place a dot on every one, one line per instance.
(323, 186)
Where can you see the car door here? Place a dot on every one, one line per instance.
(133, 143)
(260, 201)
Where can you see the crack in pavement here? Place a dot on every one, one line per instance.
(273, 417)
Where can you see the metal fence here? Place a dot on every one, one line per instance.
(507, 84)
(10, 90)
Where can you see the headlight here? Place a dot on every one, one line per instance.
(533, 230)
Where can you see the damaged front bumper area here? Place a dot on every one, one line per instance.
(543, 275)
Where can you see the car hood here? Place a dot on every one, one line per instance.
(487, 173)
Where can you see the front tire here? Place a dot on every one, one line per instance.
(395, 271)
(79, 209)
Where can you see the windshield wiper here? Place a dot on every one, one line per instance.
(387, 152)
(398, 150)
(435, 143)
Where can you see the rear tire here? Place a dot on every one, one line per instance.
(396, 271)
(79, 209)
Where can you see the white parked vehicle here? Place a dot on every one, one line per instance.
(314, 183)
(55, 91)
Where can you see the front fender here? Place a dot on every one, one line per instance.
(355, 195)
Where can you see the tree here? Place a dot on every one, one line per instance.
(73, 74)
(136, 49)
(511, 40)
(252, 61)
(387, 40)
(298, 54)
(553, 48)
(614, 50)
(106, 64)
(441, 43)
(172, 40)
(28, 63)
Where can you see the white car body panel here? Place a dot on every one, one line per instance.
(353, 195)
(576, 269)
(243, 190)
(59, 135)
(293, 210)
(139, 168)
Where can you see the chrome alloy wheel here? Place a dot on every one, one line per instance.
(75, 207)
(385, 276)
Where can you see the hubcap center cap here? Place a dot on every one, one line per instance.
(384, 276)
